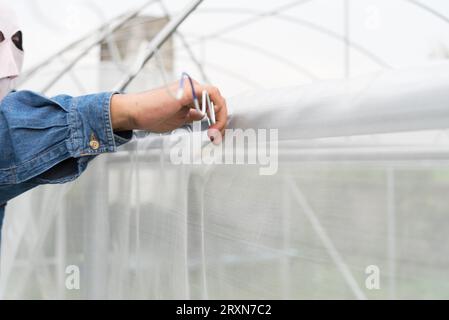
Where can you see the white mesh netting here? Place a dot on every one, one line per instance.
(351, 191)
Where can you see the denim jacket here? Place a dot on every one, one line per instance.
(51, 140)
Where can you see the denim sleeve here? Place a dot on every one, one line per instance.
(2, 217)
(53, 139)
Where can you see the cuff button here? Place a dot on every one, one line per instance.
(94, 144)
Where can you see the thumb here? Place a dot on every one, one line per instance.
(194, 115)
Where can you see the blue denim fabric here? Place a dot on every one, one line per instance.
(48, 140)
(2, 217)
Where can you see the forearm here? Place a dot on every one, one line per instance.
(155, 110)
(141, 110)
(121, 119)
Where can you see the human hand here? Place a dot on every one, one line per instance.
(159, 111)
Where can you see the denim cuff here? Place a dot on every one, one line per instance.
(90, 126)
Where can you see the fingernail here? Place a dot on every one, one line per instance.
(214, 136)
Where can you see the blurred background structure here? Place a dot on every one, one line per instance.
(357, 207)
(296, 42)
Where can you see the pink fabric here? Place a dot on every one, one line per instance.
(11, 58)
